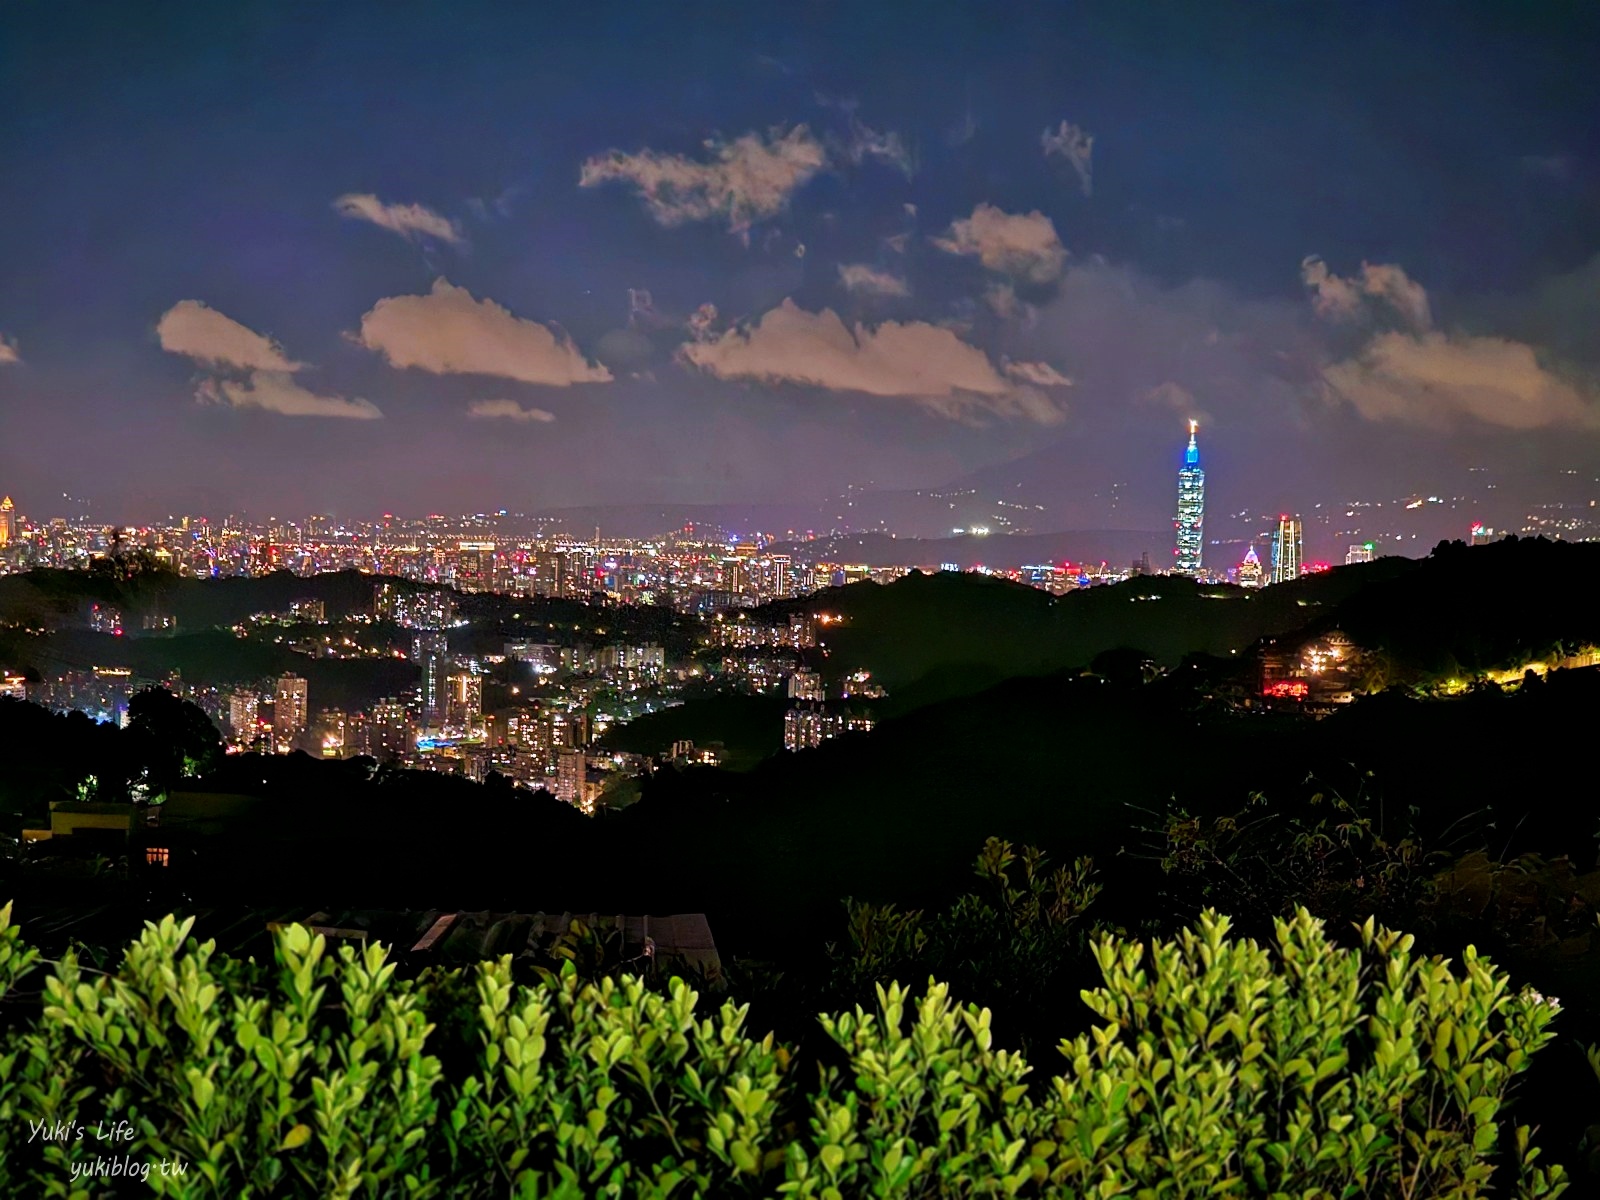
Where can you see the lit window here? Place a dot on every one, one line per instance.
(156, 856)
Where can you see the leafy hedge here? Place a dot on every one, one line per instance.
(1214, 1066)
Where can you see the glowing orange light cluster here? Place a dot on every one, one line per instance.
(1288, 689)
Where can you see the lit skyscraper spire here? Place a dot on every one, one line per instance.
(1191, 509)
(1288, 554)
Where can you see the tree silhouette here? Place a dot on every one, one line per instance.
(172, 738)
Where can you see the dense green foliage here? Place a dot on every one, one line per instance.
(1215, 1064)
(1015, 944)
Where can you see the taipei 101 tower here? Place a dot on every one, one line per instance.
(1191, 509)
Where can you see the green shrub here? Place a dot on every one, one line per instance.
(1217, 1066)
(1018, 941)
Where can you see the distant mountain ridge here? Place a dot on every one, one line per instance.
(1119, 547)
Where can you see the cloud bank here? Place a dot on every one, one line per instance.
(410, 221)
(448, 332)
(1041, 374)
(277, 392)
(745, 180)
(8, 351)
(1022, 245)
(1379, 288)
(507, 410)
(195, 330)
(869, 281)
(1422, 376)
(912, 360)
(1433, 380)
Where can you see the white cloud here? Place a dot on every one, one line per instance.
(509, 410)
(1343, 299)
(1021, 245)
(410, 221)
(1041, 374)
(889, 148)
(196, 331)
(448, 332)
(913, 360)
(1433, 380)
(1420, 376)
(8, 351)
(859, 277)
(1077, 147)
(747, 179)
(192, 329)
(278, 392)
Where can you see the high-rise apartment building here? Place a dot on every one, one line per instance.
(572, 776)
(474, 566)
(289, 708)
(431, 652)
(806, 685)
(805, 728)
(1288, 552)
(389, 730)
(244, 710)
(1358, 554)
(464, 700)
(1191, 518)
(569, 730)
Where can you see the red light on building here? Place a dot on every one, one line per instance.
(1313, 567)
(1287, 689)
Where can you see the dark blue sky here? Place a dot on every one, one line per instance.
(1438, 158)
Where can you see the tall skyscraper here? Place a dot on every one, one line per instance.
(1191, 509)
(1287, 549)
(1249, 574)
(431, 651)
(8, 522)
(289, 708)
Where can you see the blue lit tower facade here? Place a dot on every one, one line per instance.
(1191, 509)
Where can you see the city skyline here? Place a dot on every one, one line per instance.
(759, 264)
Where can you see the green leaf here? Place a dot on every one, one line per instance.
(296, 1137)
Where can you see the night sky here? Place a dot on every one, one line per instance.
(353, 257)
